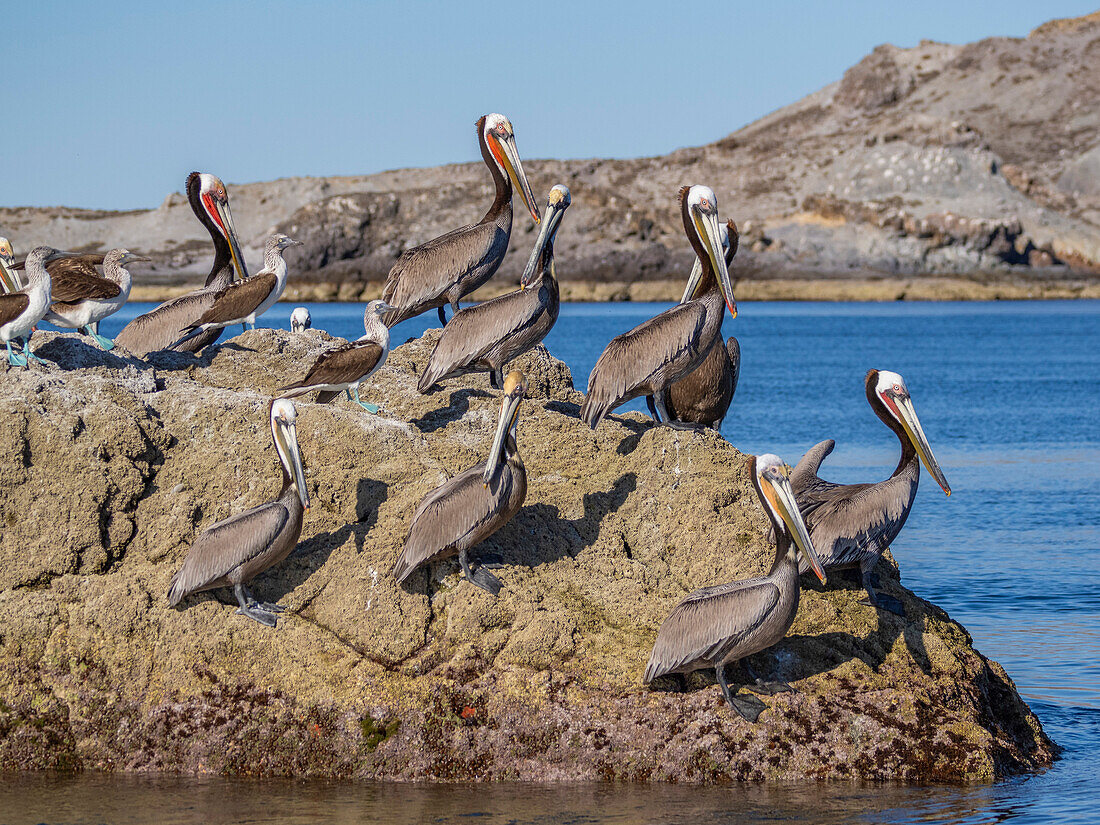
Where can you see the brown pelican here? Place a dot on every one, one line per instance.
(159, 328)
(81, 298)
(22, 309)
(9, 281)
(245, 301)
(237, 549)
(851, 524)
(703, 395)
(300, 320)
(716, 626)
(453, 265)
(473, 505)
(667, 347)
(485, 337)
(344, 368)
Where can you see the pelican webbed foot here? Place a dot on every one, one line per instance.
(252, 609)
(748, 708)
(481, 577)
(271, 607)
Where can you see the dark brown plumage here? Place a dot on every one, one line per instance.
(162, 328)
(233, 551)
(471, 506)
(703, 396)
(716, 626)
(485, 337)
(445, 269)
(662, 350)
(852, 524)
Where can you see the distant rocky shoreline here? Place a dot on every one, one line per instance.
(870, 288)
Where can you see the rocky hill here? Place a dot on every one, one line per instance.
(111, 466)
(940, 159)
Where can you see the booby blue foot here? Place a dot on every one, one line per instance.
(14, 358)
(371, 408)
(105, 343)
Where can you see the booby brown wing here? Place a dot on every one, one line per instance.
(424, 273)
(238, 300)
(344, 364)
(633, 358)
(12, 305)
(75, 279)
(710, 623)
(460, 511)
(227, 545)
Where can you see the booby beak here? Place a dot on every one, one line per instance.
(514, 167)
(782, 499)
(286, 434)
(555, 209)
(130, 258)
(509, 410)
(909, 421)
(706, 224)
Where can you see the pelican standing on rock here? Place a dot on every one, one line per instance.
(81, 298)
(485, 337)
(245, 301)
(237, 549)
(9, 281)
(162, 327)
(445, 269)
(667, 347)
(21, 310)
(852, 524)
(300, 320)
(703, 396)
(717, 626)
(473, 505)
(344, 368)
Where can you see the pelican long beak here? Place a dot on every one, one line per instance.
(8, 279)
(514, 167)
(287, 434)
(508, 412)
(706, 223)
(554, 213)
(787, 509)
(915, 432)
(693, 281)
(226, 216)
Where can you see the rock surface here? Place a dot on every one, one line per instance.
(111, 466)
(978, 158)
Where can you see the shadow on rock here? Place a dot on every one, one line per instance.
(458, 406)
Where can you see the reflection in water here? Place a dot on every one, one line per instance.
(1008, 394)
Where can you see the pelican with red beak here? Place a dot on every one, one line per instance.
(237, 549)
(852, 524)
(445, 269)
(163, 327)
(717, 626)
(653, 355)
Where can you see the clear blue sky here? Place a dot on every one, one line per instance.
(110, 105)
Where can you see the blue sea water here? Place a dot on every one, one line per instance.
(1009, 397)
